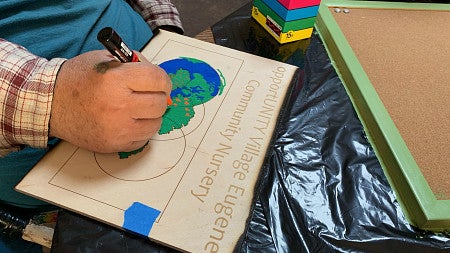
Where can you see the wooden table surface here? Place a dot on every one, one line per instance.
(206, 35)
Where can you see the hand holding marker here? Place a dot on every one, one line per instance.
(115, 45)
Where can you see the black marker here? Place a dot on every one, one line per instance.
(115, 45)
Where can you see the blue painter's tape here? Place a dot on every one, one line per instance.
(139, 218)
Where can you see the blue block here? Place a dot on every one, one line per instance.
(290, 15)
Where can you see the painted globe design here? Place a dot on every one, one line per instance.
(194, 83)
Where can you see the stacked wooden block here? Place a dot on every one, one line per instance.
(286, 20)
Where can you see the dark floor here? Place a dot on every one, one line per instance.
(197, 15)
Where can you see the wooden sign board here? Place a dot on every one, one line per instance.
(393, 60)
(191, 187)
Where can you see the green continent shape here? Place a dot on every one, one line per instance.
(192, 59)
(123, 155)
(180, 79)
(176, 117)
(195, 91)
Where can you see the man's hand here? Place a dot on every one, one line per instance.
(106, 106)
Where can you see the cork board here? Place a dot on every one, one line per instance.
(191, 187)
(393, 60)
(409, 66)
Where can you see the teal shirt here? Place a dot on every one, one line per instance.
(66, 28)
(59, 28)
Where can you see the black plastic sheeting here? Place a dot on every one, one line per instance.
(322, 188)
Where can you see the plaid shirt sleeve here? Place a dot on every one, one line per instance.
(158, 13)
(26, 93)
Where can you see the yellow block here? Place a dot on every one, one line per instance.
(275, 30)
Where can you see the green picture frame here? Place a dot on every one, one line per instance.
(419, 203)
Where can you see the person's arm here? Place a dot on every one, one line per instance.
(26, 93)
(106, 106)
(92, 100)
(159, 14)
